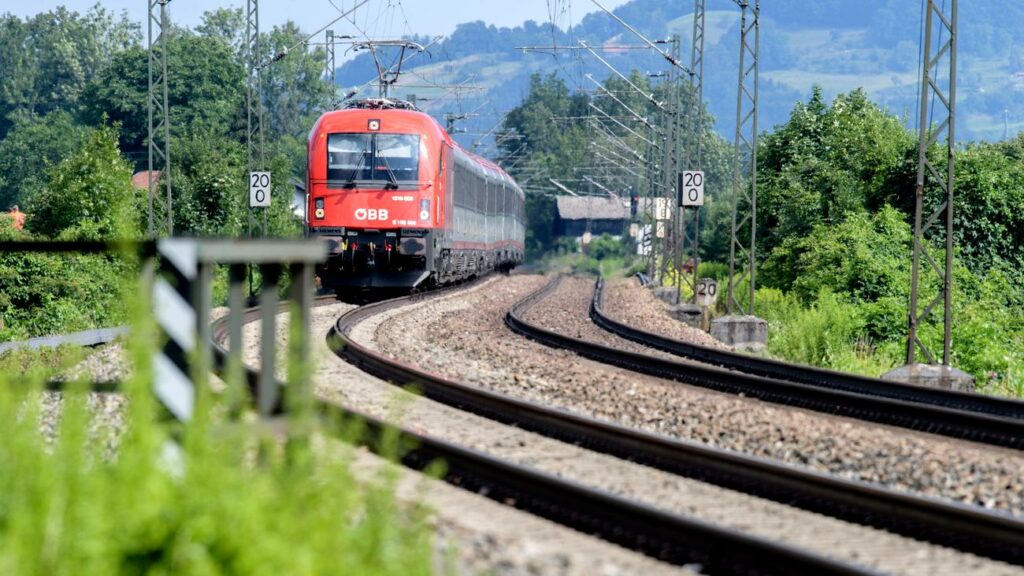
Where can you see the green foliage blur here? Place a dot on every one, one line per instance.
(605, 247)
(226, 499)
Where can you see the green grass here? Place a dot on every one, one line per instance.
(238, 501)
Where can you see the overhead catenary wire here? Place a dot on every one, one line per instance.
(284, 53)
(623, 126)
(671, 59)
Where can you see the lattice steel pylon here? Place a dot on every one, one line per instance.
(671, 245)
(159, 128)
(331, 70)
(254, 98)
(745, 153)
(932, 91)
(695, 126)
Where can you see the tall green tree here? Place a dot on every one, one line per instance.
(33, 146)
(49, 59)
(89, 194)
(205, 90)
(828, 161)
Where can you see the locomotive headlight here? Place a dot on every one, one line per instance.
(424, 209)
(319, 211)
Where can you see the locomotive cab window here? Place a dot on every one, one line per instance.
(377, 158)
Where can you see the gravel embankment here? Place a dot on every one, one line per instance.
(106, 419)
(495, 539)
(106, 409)
(475, 535)
(628, 302)
(465, 338)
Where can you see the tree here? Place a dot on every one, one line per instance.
(863, 257)
(827, 162)
(988, 223)
(88, 194)
(33, 146)
(228, 24)
(50, 58)
(293, 88)
(209, 171)
(206, 90)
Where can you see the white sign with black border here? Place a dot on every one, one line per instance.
(259, 189)
(707, 292)
(691, 188)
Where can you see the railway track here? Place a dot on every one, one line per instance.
(795, 373)
(966, 528)
(636, 526)
(904, 412)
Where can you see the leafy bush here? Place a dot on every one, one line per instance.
(90, 189)
(31, 149)
(865, 257)
(60, 293)
(605, 246)
(830, 333)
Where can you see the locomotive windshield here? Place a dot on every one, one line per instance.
(361, 157)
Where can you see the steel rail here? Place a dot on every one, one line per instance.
(85, 338)
(968, 528)
(766, 367)
(637, 526)
(982, 428)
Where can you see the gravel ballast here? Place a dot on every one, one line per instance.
(466, 339)
(628, 302)
(495, 539)
(853, 543)
(475, 535)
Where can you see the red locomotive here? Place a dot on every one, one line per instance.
(401, 205)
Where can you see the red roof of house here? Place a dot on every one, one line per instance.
(141, 179)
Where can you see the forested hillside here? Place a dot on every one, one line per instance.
(837, 44)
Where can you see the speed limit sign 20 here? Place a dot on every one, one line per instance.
(259, 189)
(691, 188)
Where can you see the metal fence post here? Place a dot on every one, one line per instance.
(266, 391)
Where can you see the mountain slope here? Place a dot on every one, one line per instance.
(833, 43)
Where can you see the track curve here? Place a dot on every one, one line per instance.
(927, 519)
(830, 379)
(966, 425)
(643, 528)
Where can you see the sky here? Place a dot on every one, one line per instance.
(378, 18)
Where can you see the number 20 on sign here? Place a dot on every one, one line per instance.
(259, 189)
(691, 188)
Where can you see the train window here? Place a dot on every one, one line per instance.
(348, 156)
(373, 157)
(399, 154)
